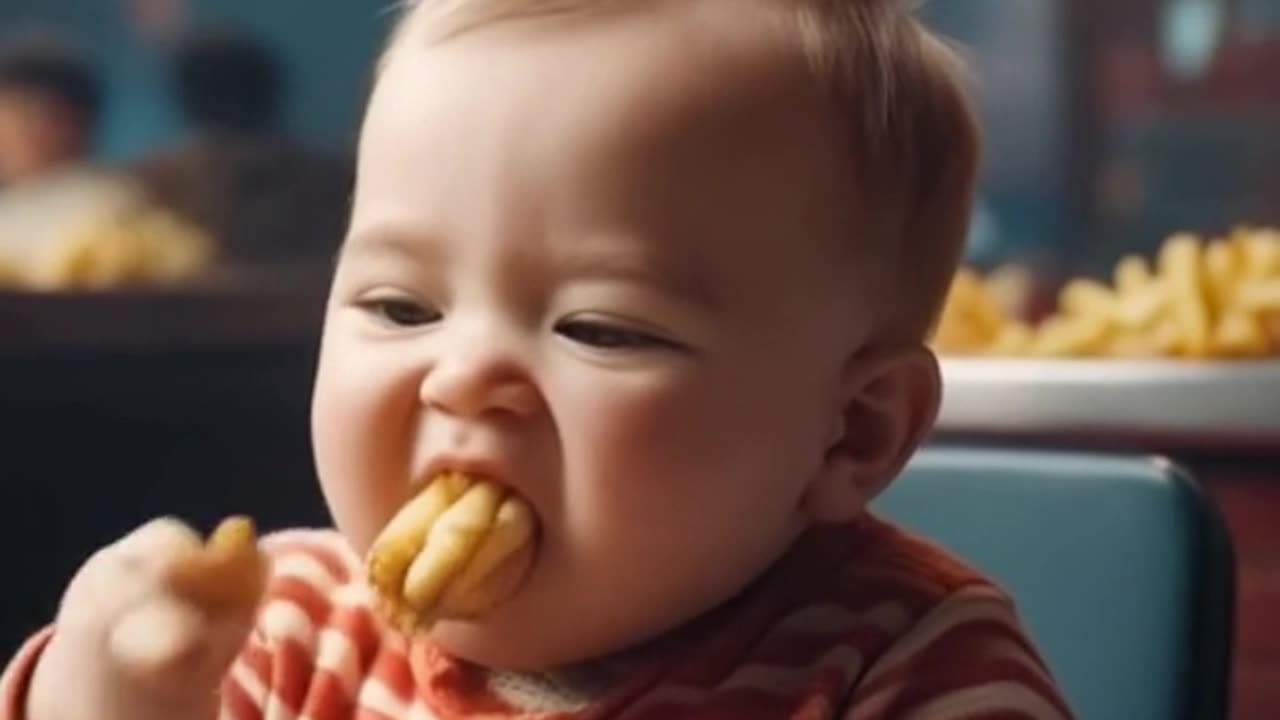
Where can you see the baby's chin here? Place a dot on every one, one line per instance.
(505, 642)
(523, 636)
(554, 623)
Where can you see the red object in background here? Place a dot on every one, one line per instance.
(1199, 150)
(1243, 73)
(1128, 81)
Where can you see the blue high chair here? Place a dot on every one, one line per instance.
(1121, 568)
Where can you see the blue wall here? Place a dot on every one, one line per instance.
(329, 45)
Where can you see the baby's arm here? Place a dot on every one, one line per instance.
(146, 629)
(967, 658)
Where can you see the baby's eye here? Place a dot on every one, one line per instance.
(611, 337)
(400, 312)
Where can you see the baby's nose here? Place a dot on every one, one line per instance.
(478, 379)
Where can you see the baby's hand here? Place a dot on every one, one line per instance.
(150, 624)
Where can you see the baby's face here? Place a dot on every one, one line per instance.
(603, 266)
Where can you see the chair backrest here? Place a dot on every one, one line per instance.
(1120, 566)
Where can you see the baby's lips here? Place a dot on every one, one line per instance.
(227, 573)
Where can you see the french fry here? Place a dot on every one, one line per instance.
(498, 564)
(1132, 274)
(1262, 297)
(1182, 271)
(1137, 345)
(1009, 288)
(228, 573)
(1080, 335)
(1087, 297)
(451, 542)
(971, 318)
(1260, 252)
(456, 551)
(123, 247)
(1142, 308)
(1014, 339)
(1240, 334)
(982, 309)
(403, 538)
(1223, 268)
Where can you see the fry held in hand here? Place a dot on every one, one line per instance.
(456, 551)
(227, 574)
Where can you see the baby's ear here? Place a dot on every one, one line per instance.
(889, 403)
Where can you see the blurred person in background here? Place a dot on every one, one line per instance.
(50, 101)
(263, 195)
(50, 187)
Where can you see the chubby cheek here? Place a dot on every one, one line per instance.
(672, 480)
(361, 416)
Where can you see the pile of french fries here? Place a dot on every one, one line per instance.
(143, 245)
(1214, 299)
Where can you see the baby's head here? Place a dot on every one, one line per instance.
(665, 268)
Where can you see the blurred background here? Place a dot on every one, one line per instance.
(1110, 125)
(1114, 124)
(325, 46)
(174, 180)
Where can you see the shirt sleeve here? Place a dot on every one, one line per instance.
(17, 676)
(314, 637)
(966, 659)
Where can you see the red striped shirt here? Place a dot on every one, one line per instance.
(863, 622)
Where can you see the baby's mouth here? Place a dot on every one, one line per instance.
(456, 551)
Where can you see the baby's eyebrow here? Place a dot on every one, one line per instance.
(681, 279)
(388, 243)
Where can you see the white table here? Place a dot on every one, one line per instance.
(1163, 397)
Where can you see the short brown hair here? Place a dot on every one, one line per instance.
(902, 92)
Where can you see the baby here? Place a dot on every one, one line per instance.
(662, 270)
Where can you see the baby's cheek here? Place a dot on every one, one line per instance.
(647, 468)
(661, 428)
(359, 433)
